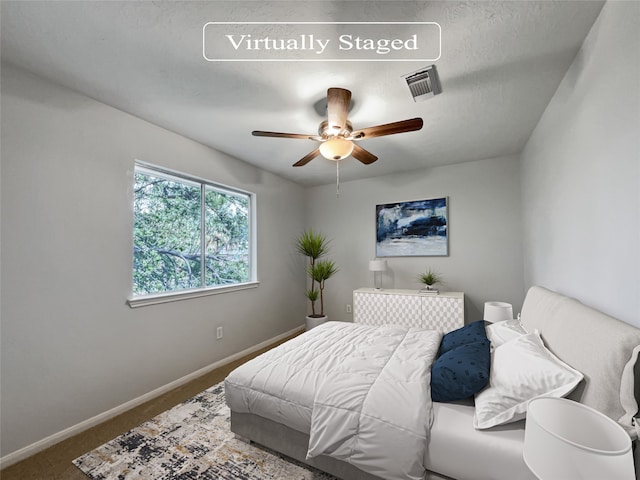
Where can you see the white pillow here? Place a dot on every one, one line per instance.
(521, 370)
(501, 332)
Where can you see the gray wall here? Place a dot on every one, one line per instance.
(581, 174)
(71, 348)
(485, 241)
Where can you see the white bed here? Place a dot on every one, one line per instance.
(272, 397)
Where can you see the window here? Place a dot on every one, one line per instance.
(188, 233)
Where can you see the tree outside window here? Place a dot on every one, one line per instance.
(187, 234)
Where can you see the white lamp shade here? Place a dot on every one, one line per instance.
(497, 311)
(377, 265)
(565, 439)
(336, 148)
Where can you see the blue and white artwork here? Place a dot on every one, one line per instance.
(417, 228)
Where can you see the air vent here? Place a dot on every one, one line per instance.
(424, 83)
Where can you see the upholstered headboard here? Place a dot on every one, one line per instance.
(603, 348)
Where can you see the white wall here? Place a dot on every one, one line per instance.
(71, 348)
(581, 174)
(485, 240)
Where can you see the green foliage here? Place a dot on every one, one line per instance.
(430, 277)
(168, 245)
(314, 245)
(312, 295)
(322, 270)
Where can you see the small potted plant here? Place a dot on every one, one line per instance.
(314, 245)
(429, 279)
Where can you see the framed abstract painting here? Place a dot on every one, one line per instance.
(417, 228)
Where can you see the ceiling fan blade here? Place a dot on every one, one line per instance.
(338, 100)
(363, 155)
(307, 158)
(388, 129)
(260, 133)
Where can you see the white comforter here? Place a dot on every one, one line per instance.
(361, 392)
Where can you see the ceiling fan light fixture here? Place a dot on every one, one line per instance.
(336, 134)
(336, 148)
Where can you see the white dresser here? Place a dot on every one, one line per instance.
(444, 312)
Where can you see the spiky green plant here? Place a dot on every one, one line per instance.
(430, 277)
(312, 295)
(320, 272)
(314, 245)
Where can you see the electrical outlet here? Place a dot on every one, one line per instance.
(347, 307)
(218, 333)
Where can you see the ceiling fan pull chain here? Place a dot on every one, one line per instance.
(338, 179)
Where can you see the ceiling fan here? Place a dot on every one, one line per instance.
(337, 136)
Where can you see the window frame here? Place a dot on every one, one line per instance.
(174, 295)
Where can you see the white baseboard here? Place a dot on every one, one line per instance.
(47, 442)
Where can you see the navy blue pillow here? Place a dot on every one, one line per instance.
(474, 332)
(461, 372)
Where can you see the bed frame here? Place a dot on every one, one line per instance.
(603, 348)
(294, 444)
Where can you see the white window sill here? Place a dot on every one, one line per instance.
(154, 299)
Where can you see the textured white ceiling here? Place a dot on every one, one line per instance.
(501, 63)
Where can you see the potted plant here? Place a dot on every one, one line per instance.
(429, 279)
(314, 245)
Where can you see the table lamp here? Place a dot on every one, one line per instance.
(497, 311)
(377, 266)
(566, 439)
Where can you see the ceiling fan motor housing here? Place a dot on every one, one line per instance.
(325, 132)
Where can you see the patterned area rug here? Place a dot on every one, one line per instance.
(190, 441)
